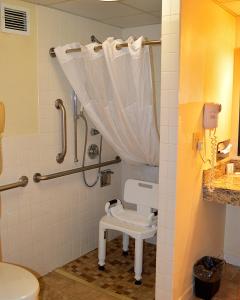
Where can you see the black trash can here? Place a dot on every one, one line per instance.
(207, 273)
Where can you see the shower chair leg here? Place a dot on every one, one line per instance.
(138, 261)
(125, 244)
(102, 249)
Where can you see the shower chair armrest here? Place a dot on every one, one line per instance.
(111, 203)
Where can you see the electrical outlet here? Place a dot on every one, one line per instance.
(197, 141)
(199, 145)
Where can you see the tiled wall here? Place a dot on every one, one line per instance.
(47, 224)
(168, 147)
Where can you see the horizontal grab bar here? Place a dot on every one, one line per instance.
(23, 181)
(38, 177)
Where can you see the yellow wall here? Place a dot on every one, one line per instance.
(18, 77)
(206, 75)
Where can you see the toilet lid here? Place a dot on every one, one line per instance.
(17, 283)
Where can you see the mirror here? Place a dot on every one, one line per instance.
(235, 118)
(239, 135)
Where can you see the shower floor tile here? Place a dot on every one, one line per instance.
(118, 276)
(81, 279)
(55, 286)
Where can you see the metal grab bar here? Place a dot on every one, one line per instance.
(38, 177)
(76, 117)
(60, 156)
(23, 181)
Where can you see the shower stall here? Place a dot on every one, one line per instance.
(108, 126)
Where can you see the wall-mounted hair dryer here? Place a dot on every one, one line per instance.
(210, 115)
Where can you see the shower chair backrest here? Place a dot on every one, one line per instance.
(142, 193)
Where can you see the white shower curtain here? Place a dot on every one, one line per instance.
(115, 88)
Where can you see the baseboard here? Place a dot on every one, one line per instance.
(233, 260)
(188, 294)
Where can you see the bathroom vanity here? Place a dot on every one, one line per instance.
(225, 188)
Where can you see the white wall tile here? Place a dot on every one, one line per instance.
(168, 148)
(45, 225)
(170, 24)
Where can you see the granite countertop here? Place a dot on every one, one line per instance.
(226, 190)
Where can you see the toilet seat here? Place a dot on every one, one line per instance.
(17, 283)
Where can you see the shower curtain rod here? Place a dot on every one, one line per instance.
(97, 48)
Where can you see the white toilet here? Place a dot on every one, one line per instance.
(17, 283)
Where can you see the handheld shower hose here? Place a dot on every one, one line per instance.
(82, 116)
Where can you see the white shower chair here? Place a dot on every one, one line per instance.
(140, 224)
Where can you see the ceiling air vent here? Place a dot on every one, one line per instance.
(14, 19)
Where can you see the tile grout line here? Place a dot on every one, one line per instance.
(77, 279)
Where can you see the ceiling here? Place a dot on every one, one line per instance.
(231, 6)
(123, 13)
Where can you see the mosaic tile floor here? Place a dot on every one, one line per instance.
(118, 276)
(81, 279)
(55, 286)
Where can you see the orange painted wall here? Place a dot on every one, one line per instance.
(206, 75)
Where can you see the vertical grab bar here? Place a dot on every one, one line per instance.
(76, 117)
(60, 156)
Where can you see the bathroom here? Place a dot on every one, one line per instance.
(46, 225)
